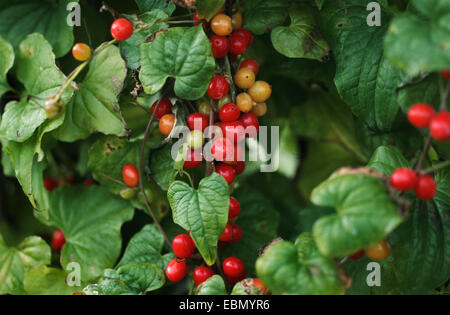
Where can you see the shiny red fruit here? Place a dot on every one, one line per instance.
(357, 255)
(234, 209)
(227, 234)
(58, 240)
(237, 233)
(130, 175)
(121, 29)
(176, 270)
(201, 274)
(220, 46)
(222, 149)
(193, 159)
(440, 126)
(420, 115)
(50, 183)
(226, 171)
(251, 124)
(201, 119)
(233, 267)
(218, 87)
(445, 74)
(246, 35)
(239, 167)
(183, 246)
(229, 113)
(234, 131)
(250, 64)
(403, 179)
(238, 44)
(164, 107)
(425, 188)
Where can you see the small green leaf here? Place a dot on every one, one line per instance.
(387, 159)
(44, 280)
(286, 268)
(262, 16)
(365, 215)
(206, 9)
(6, 63)
(162, 166)
(150, 5)
(95, 108)
(91, 218)
(14, 262)
(212, 286)
(145, 247)
(203, 211)
(142, 277)
(246, 287)
(182, 53)
(302, 38)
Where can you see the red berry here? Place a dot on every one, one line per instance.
(234, 131)
(226, 171)
(88, 182)
(130, 175)
(201, 119)
(239, 167)
(251, 124)
(237, 233)
(193, 159)
(201, 274)
(221, 149)
(176, 270)
(233, 281)
(218, 87)
(357, 255)
(440, 126)
(238, 44)
(234, 209)
(229, 113)
(227, 234)
(58, 240)
(121, 29)
(420, 115)
(50, 183)
(220, 46)
(445, 74)
(425, 188)
(222, 245)
(233, 267)
(183, 246)
(246, 35)
(235, 155)
(250, 64)
(164, 107)
(403, 179)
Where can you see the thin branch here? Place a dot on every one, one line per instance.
(436, 167)
(113, 179)
(445, 97)
(424, 153)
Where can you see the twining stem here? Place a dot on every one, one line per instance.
(210, 164)
(141, 181)
(113, 179)
(436, 167)
(445, 97)
(229, 75)
(424, 153)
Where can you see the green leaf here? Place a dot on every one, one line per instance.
(206, 9)
(162, 166)
(22, 17)
(387, 159)
(44, 280)
(95, 106)
(246, 287)
(14, 262)
(212, 286)
(365, 215)
(203, 211)
(262, 16)
(37, 70)
(302, 38)
(430, 28)
(365, 78)
(91, 218)
(149, 5)
(142, 277)
(182, 53)
(131, 48)
(145, 247)
(319, 4)
(6, 63)
(259, 222)
(286, 268)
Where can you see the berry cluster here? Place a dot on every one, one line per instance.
(378, 252)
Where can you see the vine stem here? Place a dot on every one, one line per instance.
(210, 164)
(229, 74)
(113, 179)
(424, 153)
(445, 97)
(141, 182)
(436, 167)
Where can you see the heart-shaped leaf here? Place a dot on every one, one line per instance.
(6, 63)
(365, 215)
(203, 211)
(212, 286)
(44, 280)
(286, 268)
(387, 159)
(145, 247)
(182, 53)
(90, 218)
(302, 38)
